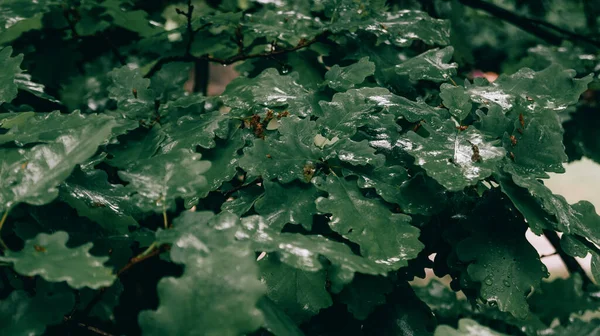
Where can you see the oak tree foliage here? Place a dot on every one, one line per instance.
(363, 143)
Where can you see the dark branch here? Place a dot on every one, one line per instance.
(190, 31)
(542, 29)
(134, 261)
(572, 265)
(231, 191)
(88, 327)
(239, 57)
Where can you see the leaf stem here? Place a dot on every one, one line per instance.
(571, 263)
(165, 219)
(152, 251)
(2, 244)
(230, 192)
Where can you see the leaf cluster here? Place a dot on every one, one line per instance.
(350, 156)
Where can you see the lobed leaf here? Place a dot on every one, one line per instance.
(49, 257)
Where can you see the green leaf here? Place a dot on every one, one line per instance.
(197, 130)
(399, 28)
(456, 159)
(412, 111)
(466, 327)
(501, 258)
(456, 100)
(269, 89)
(12, 67)
(48, 127)
(364, 294)
(404, 314)
(441, 299)
(576, 327)
(94, 197)
(545, 210)
(20, 16)
(538, 147)
(551, 301)
(19, 119)
(224, 160)
(422, 195)
(159, 180)
(22, 315)
(306, 252)
(131, 91)
(243, 200)
(217, 269)
(386, 180)
(284, 158)
(49, 257)
(344, 78)
(354, 153)
(347, 111)
(276, 321)
(139, 145)
(33, 175)
(385, 238)
(132, 20)
(300, 294)
(431, 65)
(281, 26)
(25, 83)
(298, 198)
(552, 88)
(493, 123)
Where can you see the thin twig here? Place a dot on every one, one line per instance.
(231, 191)
(165, 220)
(239, 57)
(190, 31)
(542, 29)
(572, 265)
(94, 329)
(2, 244)
(68, 319)
(134, 261)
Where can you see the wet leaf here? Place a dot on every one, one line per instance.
(344, 78)
(431, 65)
(386, 238)
(456, 159)
(49, 257)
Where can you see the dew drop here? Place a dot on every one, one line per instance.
(506, 283)
(489, 281)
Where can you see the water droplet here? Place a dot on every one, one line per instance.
(489, 281)
(485, 265)
(506, 283)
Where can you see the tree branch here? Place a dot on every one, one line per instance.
(190, 31)
(571, 263)
(542, 29)
(239, 57)
(67, 319)
(134, 261)
(231, 191)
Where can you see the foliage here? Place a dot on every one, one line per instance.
(357, 143)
